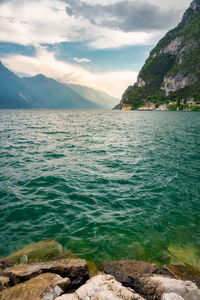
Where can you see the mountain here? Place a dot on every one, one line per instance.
(49, 93)
(96, 96)
(172, 71)
(13, 94)
(38, 92)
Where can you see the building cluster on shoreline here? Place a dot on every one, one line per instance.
(188, 105)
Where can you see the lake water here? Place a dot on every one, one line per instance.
(105, 184)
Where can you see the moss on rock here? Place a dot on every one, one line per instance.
(93, 270)
(186, 255)
(36, 252)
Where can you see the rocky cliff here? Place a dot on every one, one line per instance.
(172, 71)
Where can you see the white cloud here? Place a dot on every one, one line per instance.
(81, 60)
(109, 38)
(45, 63)
(34, 22)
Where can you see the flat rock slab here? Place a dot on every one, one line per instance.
(4, 282)
(36, 252)
(126, 271)
(75, 269)
(44, 287)
(159, 287)
(102, 287)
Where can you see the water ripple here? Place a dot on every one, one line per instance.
(104, 184)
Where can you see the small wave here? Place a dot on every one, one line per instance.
(106, 187)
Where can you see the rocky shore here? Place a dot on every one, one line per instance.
(44, 271)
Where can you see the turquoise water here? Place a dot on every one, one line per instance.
(105, 184)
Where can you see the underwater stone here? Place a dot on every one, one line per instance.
(42, 251)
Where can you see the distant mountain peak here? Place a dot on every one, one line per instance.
(2, 66)
(38, 92)
(191, 12)
(6, 72)
(40, 76)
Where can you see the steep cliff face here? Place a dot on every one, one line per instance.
(172, 70)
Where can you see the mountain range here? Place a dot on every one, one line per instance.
(172, 71)
(46, 93)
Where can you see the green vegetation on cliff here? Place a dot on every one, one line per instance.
(172, 71)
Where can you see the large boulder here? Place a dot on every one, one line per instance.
(102, 287)
(44, 287)
(75, 269)
(36, 252)
(4, 282)
(156, 287)
(125, 271)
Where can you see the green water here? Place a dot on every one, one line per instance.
(105, 184)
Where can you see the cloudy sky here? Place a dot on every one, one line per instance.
(96, 43)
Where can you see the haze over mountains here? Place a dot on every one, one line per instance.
(47, 93)
(102, 98)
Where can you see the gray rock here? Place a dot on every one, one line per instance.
(178, 81)
(102, 287)
(159, 287)
(140, 82)
(193, 295)
(173, 46)
(46, 286)
(172, 296)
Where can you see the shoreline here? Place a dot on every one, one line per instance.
(66, 277)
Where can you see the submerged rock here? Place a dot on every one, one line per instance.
(4, 282)
(126, 271)
(102, 287)
(36, 252)
(184, 255)
(75, 269)
(159, 287)
(185, 273)
(46, 286)
(93, 270)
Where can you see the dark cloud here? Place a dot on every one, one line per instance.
(3, 1)
(124, 15)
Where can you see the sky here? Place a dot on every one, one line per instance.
(96, 43)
